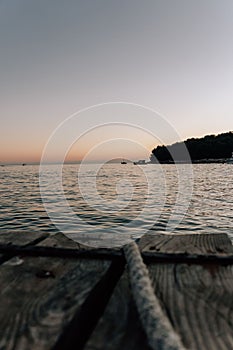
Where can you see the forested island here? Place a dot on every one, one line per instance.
(208, 149)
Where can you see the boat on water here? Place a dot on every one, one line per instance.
(230, 160)
(140, 162)
(123, 162)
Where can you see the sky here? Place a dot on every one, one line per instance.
(58, 57)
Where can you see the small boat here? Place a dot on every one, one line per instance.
(230, 160)
(140, 162)
(123, 162)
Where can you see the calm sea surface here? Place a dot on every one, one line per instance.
(120, 197)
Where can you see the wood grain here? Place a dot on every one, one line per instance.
(40, 296)
(22, 239)
(49, 302)
(198, 299)
(218, 244)
(119, 328)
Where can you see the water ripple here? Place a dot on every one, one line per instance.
(210, 209)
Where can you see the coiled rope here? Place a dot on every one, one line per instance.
(157, 327)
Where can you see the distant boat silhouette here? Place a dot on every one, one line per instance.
(230, 160)
(23, 164)
(140, 162)
(123, 161)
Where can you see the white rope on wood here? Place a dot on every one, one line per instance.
(157, 327)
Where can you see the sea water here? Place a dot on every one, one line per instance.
(113, 198)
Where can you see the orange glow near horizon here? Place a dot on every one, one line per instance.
(110, 142)
(103, 143)
(21, 155)
(99, 144)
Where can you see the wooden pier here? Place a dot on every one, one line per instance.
(57, 294)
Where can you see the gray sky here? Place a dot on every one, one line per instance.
(59, 56)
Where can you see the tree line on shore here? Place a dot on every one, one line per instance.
(209, 147)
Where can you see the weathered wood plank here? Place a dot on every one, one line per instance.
(198, 302)
(42, 296)
(198, 299)
(21, 238)
(218, 244)
(84, 253)
(104, 240)
(119, 328)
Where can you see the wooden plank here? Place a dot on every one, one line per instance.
(89, 253)
(43, 296)
(65, 242)
(61, 247)
(198, 299)
(198, 302)
(218, 244)
(61, 241)
(22, 239)
(104, 240)
(119, 327)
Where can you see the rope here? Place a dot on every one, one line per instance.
(157, 327)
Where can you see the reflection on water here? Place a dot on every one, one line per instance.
(116, 194)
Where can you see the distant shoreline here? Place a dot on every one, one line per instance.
(171, 162)
(207, 149)
(195, 161)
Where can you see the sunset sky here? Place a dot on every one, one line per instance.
(58, 57)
